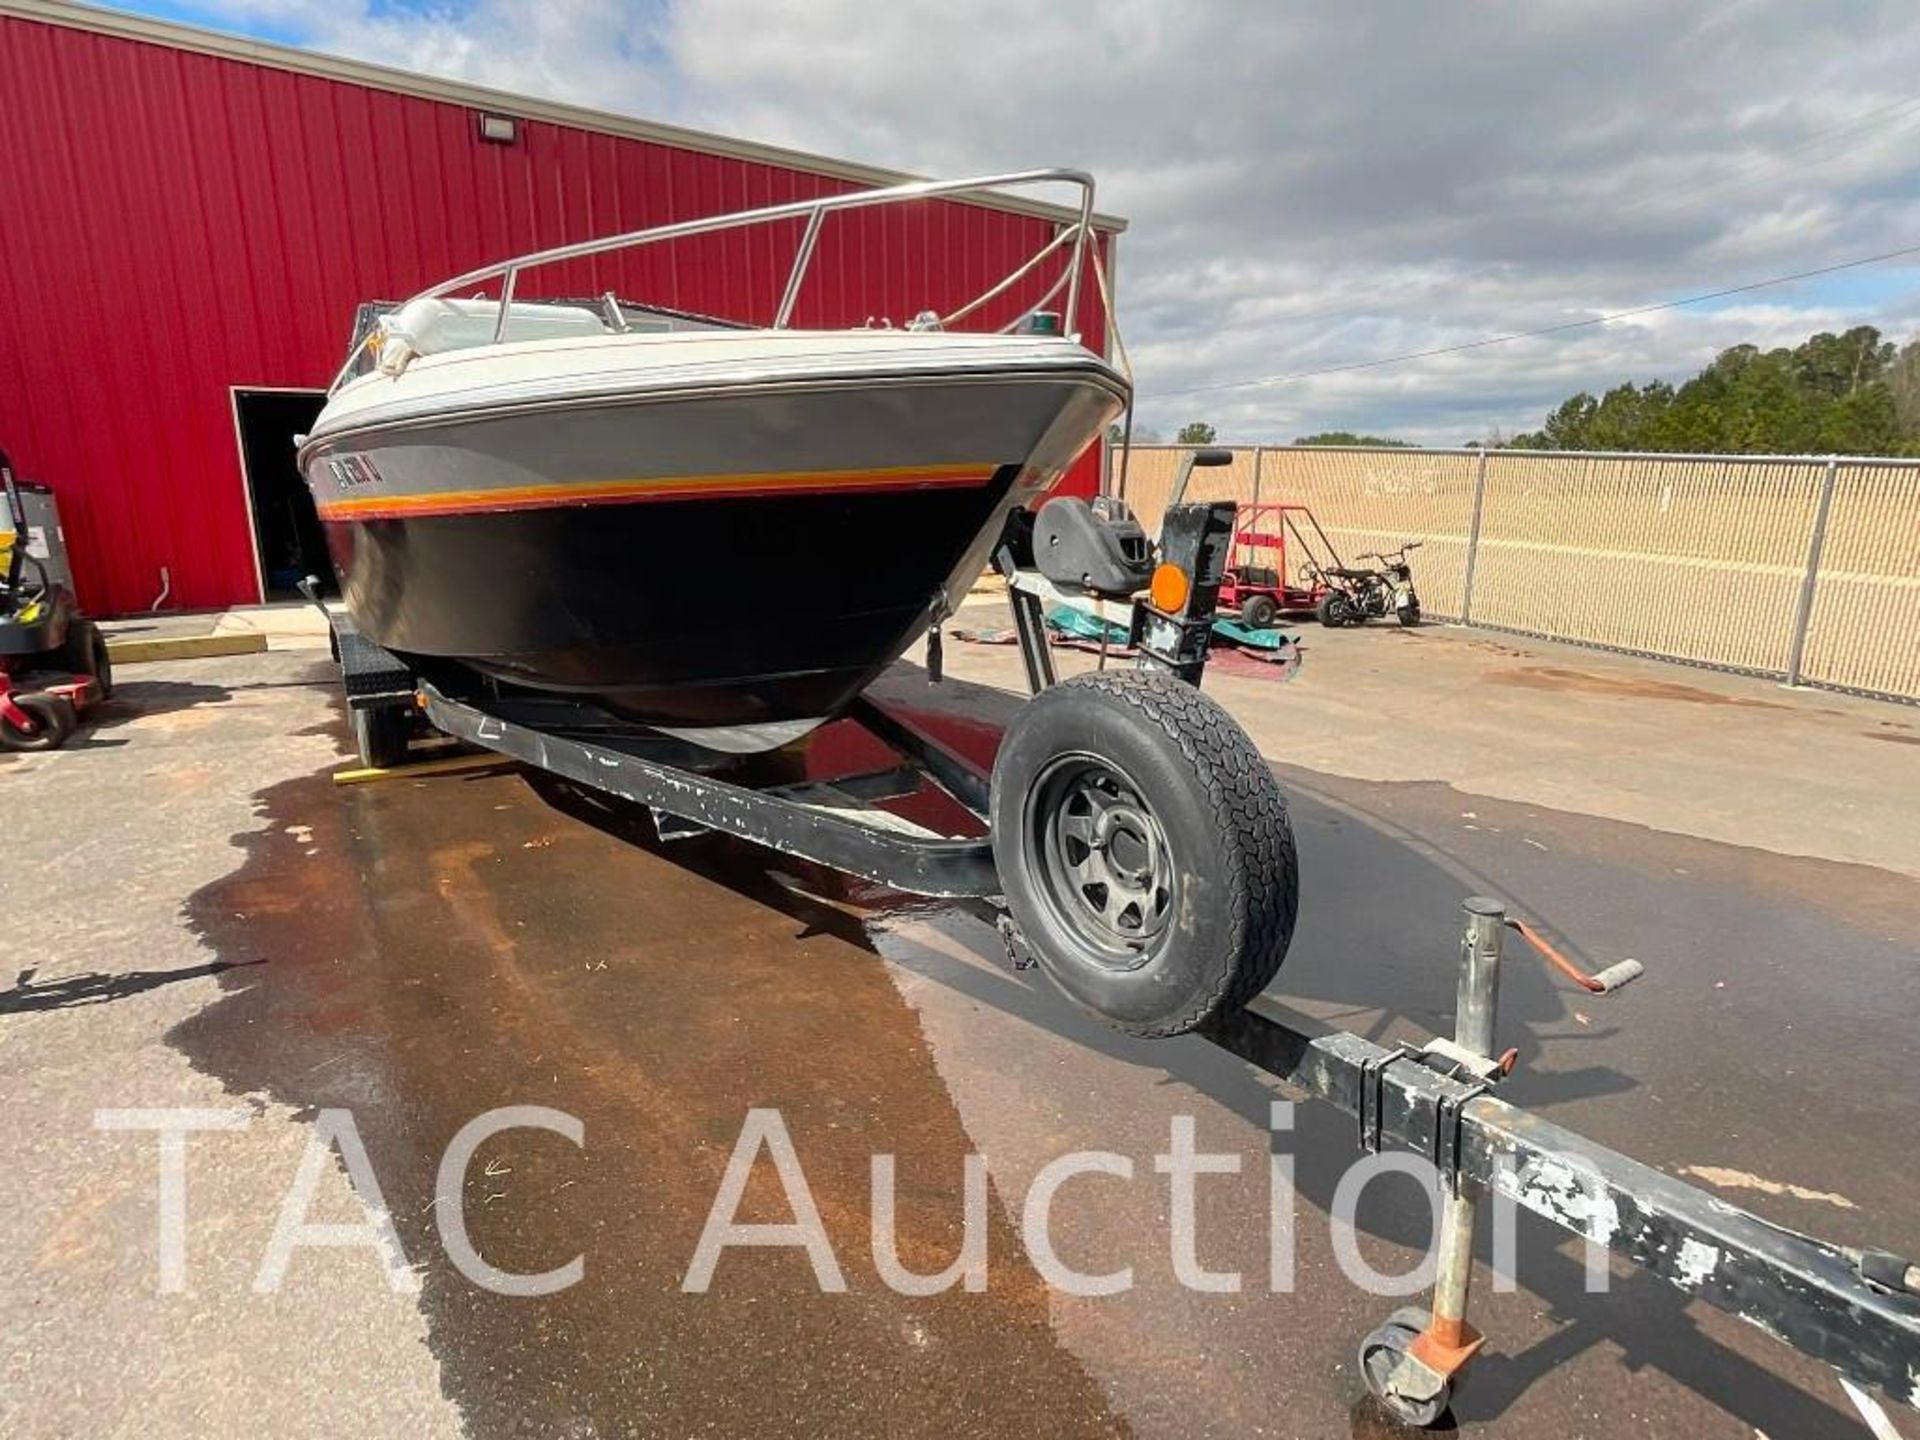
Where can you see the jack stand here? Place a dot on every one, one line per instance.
(1410, 1365)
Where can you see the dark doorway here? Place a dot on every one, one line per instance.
(285, 525)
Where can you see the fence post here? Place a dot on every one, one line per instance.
(1473, 538)
(1258, 452)
(1816, 542)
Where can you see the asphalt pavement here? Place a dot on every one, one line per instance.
(203, 919)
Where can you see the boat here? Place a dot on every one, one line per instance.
(722, 531)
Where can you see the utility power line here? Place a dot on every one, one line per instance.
(1559, 329)
(1757, 171)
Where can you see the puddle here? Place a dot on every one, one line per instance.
(437, 948)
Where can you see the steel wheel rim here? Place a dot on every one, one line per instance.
(1101, 858)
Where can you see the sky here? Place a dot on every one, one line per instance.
(1309, 185)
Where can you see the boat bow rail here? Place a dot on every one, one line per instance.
(1074, 238)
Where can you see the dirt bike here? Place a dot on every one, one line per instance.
(1355, 595)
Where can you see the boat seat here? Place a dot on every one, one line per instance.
(435, 326)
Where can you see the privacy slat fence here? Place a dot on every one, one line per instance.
(1804, 568)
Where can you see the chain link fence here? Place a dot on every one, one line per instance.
(1803, 568)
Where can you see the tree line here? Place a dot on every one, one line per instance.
(1850, 394)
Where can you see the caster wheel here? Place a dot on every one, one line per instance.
(1381, 1353)
(54, 720)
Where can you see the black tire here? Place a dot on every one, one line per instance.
(102, 665)
(1409, 615)
(1257, 612)
(380, 734)
(1334, 610)
(54, 719)
(1197, 835)
(85, 653)
(1380, 1354)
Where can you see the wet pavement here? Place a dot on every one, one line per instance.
(419, 951)
(467, 945)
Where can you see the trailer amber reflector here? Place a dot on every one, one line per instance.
(1169, 589)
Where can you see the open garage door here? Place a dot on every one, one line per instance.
(287, 534)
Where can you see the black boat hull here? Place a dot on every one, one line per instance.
(694, 614)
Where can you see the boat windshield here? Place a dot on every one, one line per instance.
(431, 326)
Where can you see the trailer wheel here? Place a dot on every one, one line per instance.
(1258, 612)
(54, 720)
(1145, 850)
(1381, 1353)
(380, 734)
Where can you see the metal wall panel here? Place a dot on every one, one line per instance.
(178, 223)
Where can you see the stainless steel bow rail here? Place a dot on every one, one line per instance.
(1074, 237)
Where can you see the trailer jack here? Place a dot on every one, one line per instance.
(1857, 1311)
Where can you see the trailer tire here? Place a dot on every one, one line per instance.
(380, 734)
(53, 714)
(1258, 611)
(1144, 849)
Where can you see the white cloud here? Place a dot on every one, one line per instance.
(1312, 185)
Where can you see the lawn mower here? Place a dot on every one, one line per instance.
(53, 663)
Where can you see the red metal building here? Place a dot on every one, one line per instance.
(189, 220)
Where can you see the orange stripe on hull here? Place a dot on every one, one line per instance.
(681, 487)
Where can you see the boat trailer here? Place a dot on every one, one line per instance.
(1856, 1310)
